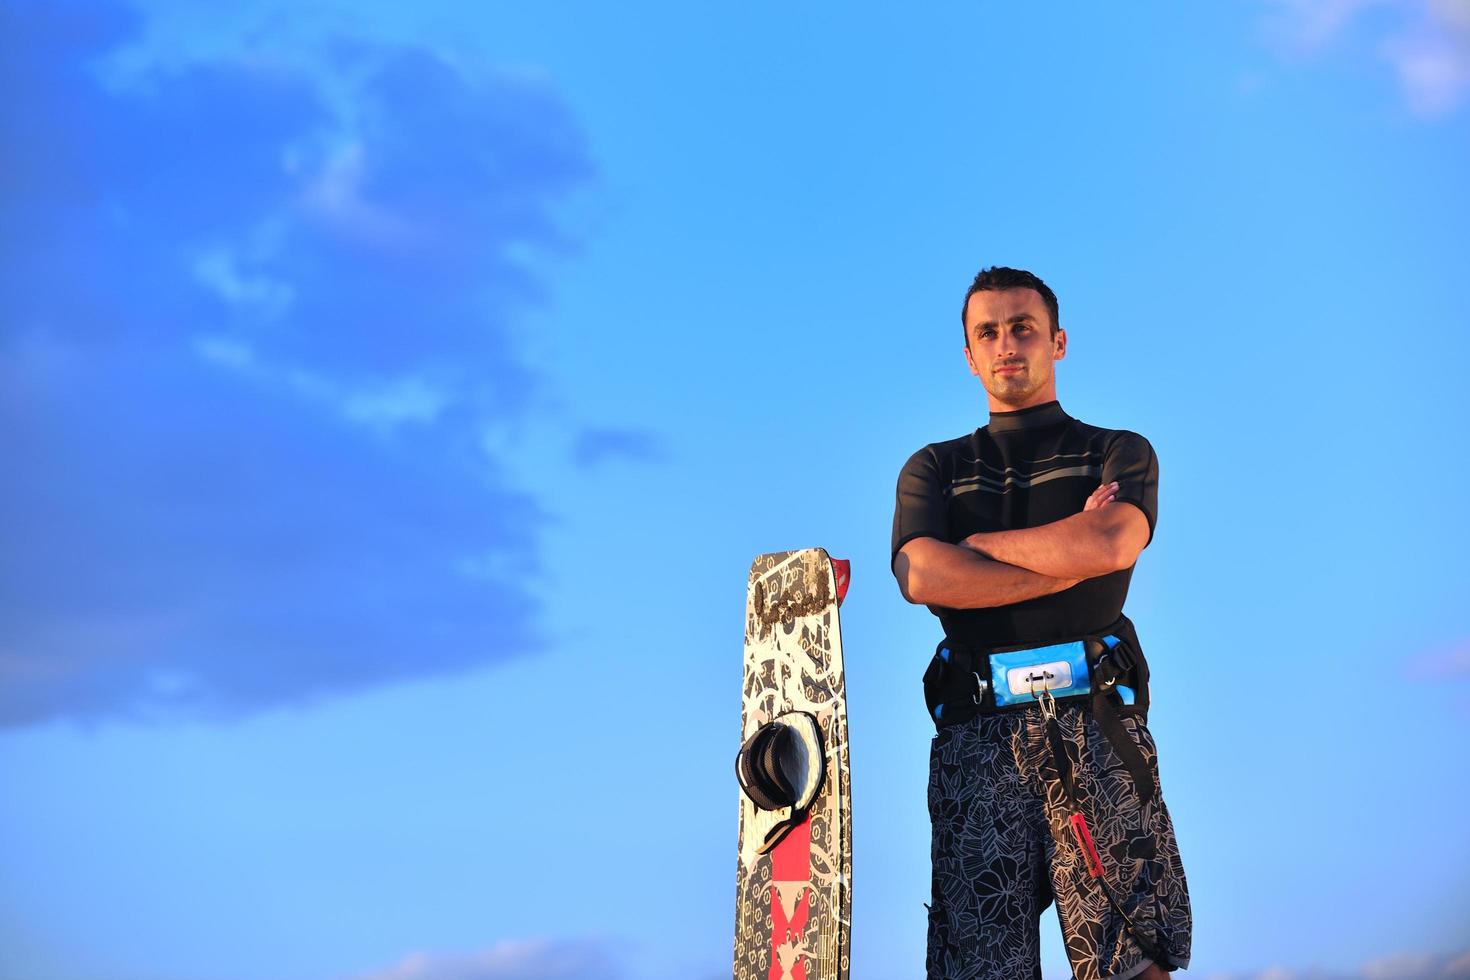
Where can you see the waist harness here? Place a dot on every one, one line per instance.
(1105, 672)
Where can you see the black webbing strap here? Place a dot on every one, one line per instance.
(1060, 756)
(1110, 722)
(1115, 664)
(1062, 760)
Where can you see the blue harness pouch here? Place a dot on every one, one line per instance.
(955, 685)
(1017, 677)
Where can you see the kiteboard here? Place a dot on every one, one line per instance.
(793, 896)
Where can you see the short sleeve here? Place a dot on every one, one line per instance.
(1130, 460)
(919, 511)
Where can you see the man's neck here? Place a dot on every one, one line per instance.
(1042, 397)
(1036, 417)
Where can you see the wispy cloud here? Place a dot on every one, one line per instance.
(1425, 42)
(537, 959)
(1309, 25)
(1433, 61)
(1437, 665)
(595, 445)
(254, 316)
(1405, 966)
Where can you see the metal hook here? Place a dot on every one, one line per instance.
(1045, 700)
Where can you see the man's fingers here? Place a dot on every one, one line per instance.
(1101, 496)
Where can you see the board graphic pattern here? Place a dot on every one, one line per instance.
(793, 906)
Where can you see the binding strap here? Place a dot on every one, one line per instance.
(758, 767)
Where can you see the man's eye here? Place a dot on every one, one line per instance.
(986, 334)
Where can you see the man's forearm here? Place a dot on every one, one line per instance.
(937, 574)
(1082, 546)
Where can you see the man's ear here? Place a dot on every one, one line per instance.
(1059, 345)
(971, 361)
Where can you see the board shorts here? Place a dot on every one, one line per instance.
(1003, 851)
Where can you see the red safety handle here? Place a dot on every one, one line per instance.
(1084, 843)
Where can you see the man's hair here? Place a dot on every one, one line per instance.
(999, 277)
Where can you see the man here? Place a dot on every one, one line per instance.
(1043, 782)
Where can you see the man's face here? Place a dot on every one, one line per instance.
(1011, 349)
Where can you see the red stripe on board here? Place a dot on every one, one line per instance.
(792, 858)
(787, 933)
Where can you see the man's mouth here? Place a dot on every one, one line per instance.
(1011, 368)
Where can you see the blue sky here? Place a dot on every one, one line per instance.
(393, 396)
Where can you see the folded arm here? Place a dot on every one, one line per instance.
(933, 573)
(1103, 538)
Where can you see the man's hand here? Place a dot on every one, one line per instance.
(1101, 497)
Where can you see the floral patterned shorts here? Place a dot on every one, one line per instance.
(1003, 851)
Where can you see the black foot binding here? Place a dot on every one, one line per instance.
(781, 767)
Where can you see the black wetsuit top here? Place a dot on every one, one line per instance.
(1025, 469)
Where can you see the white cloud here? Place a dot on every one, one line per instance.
(1306, 26)
(1426, 42)
(1433, 70)
(333, 240)
(1401, 966)
(1446, 662)
(516, 959)
(335, 195)
(410, 399)
(219, 270)
(225, 352)
(379, 403)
